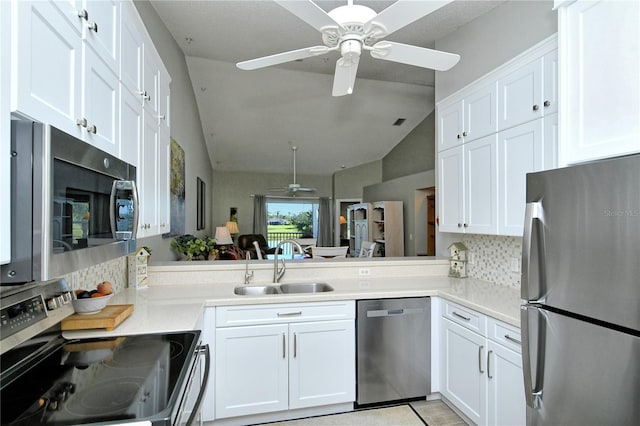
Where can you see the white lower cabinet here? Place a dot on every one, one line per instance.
(481, 370)
(283, 357)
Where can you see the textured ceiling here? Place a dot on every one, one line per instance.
(250, 118)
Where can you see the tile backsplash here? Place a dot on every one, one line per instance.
(493, 256)
(114, 271)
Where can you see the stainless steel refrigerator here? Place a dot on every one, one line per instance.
(581, 294)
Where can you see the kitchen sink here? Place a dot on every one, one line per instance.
(256, 290)
(259, 290)
(305, 288)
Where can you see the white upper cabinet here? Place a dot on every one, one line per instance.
(467, 179)
(599, 79)
(131, 48)
(48, 48)
(66, 71)
(520, 151)
(450, 125)
(490, 135)
(463, 120)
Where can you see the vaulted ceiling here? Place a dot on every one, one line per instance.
(251, 118)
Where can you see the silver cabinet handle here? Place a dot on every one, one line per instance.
(81, 122)
(83, 14)
(547, 103)
(92, 129)
(511, 339)
(459, 136)
(461, 316)
(466, 225)
(93, 27)
(459, 225)
(284, 346)
(480, 359)
(145, 95)
(489, 365)
(536, 107)
(295, 345)
(464, 133)
(290, 314)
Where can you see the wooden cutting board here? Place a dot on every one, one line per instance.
(108, 318)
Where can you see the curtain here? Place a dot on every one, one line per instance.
(260, 215)
(325, 220)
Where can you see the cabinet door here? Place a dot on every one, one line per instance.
(100, 104)
(101, 30)
(480, 111)
(600, 79)
(521, 151)
(251, 370)
(322, 367)
(520, 95)
(164, 176)
(130, 127)
(505, 391)
(49, 57)
(151, 78)
(450, 190)
(148, 176)
(481, 166)
(131, 50)
(550, 83)
(450, 125)
(463, 372)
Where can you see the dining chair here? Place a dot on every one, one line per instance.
(329, 252)
(367, 249)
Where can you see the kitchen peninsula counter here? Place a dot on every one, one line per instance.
(175, 307)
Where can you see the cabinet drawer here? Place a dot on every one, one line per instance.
(231, 316)
(465, 317)
(505, 334)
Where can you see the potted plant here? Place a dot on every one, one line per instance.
(194, 248)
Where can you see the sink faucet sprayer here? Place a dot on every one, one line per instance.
(277, 272)
(247, 275)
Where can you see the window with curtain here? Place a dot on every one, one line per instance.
(291, 218)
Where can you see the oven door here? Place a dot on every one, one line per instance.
(188, 411)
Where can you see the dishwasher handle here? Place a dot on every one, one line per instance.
(394, 312)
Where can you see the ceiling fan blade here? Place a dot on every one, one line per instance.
(402, 13)
(310, 13)
(345, 76)
(414, 55)
(280, 58)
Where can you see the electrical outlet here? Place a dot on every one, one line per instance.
(364, 272)
(515, 264)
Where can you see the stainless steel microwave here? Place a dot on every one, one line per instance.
(72, 205)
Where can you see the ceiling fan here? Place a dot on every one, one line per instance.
(293, 187)
(352, 28)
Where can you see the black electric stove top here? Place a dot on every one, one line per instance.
(94, 380)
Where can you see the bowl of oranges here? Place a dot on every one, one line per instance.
(89, 302)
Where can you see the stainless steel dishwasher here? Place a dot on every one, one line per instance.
(394, 349)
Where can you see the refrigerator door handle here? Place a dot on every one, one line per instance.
(533, 254)
(532, 369)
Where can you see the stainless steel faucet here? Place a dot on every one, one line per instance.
(277, 272)
(247, 275)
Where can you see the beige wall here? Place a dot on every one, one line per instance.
(493, 39)
(414, 154)
(404, 189)
(348, 183)
(234, 189)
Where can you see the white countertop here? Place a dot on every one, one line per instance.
(177, 307)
